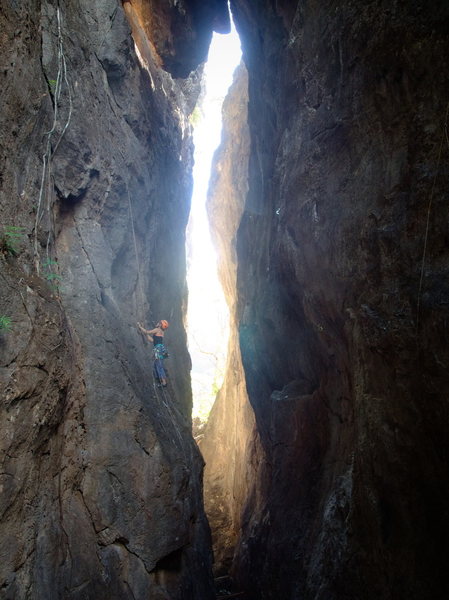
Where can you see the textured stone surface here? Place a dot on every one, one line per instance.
(180, 32)
(100, 479)
(345, 354)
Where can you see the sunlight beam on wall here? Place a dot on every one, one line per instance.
(207, 314)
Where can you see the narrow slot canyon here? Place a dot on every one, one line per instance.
(321, 473)
(208, 312)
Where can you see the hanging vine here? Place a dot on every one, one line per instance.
(56, 87)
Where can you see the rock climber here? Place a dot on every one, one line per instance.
(156, 336)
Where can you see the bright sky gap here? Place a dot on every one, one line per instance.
(207, 314)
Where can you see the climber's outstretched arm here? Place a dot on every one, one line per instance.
(148, 332)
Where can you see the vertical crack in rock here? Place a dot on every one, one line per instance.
(227, 445)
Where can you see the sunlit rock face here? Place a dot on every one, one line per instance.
(229, 441)
(179, 32)
(100, 480)
(344, 347)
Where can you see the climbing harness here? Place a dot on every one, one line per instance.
(160, 352)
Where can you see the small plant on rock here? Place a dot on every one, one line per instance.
(5, 323)
(196, 116)
(11, 239)
(52, 83)
(53, 279)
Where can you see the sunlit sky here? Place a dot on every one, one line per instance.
(207, 316)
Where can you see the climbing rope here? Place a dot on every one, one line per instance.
(162, 397)
(156, 395)
(429, 207)
(139, 279)
(165, 402)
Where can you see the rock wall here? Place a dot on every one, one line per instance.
(342, 303)
(335, 484)
(100, 479)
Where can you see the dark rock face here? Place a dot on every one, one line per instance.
(100, 479)
(343, 340)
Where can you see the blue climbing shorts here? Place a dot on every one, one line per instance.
(158, 369)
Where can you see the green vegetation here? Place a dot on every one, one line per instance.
(203, 406)
(11, 238)
(52, 83)
(195, 116)
(205, 394)
(53, 279)
(5, 323)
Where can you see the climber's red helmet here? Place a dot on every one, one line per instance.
(164, 323)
